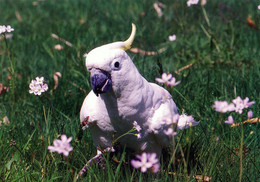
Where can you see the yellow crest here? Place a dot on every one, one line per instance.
(130, 40)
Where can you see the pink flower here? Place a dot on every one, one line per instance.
(146, 161)
(248, 104)
(61, 146)
(169, 80)
(138, 129)
(223, 106)
(230, 120)
(239, 105)
(249, 114)
(242, 104)
(165, 78)
(173, 82)
(170, 132)
(152, 158)
(156, 168)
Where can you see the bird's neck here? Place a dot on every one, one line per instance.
(129, 86)
(128, 99)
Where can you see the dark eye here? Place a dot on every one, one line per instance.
(116, 64)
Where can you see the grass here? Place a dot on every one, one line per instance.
(215, 38)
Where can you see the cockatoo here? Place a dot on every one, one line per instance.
(119, 97)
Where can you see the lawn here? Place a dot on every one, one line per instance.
(215, 56)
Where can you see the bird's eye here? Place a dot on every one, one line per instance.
(116, 64)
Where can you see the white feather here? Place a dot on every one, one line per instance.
(132, 99)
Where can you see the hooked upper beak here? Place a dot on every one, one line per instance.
(100, 81)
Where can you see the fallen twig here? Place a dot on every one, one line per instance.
(62, 40)
(3, 89)
(250, 22)
(18, 16)
(197, 177)
(249, 121)
(149, 53)
(183, 68)
(56, 77)
(75, 85)
(157, 8)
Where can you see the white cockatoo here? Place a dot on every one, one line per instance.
(119, 97)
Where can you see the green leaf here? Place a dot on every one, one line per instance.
(14, 158)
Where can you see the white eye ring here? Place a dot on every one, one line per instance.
(116, 64)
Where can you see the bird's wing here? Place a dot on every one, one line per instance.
(94, 115)
(164, 108)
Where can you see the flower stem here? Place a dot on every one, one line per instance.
(12, 82)
(241, 154)
(129, 132)
(205, 16)
(44, 114)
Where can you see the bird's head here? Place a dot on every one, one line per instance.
(110, 65)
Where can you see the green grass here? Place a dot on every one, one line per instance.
(226, 64)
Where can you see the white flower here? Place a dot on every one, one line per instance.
(58, 47)
(173, 82)
(61, 146)
(4, 28)
(139, 135)
(192, 2)
(45, 87)
(37, 87)
(137, 127)
(9, 28)
(186, 121)
(223, 106)
(146, 161)
(258, 6)
(39, 80)
(169, 122)
(172, 37)
(172, 120)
